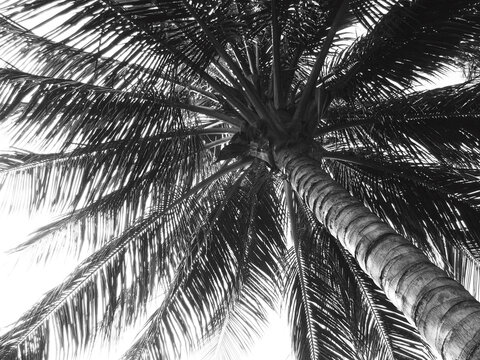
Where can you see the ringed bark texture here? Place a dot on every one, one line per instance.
(446, 315)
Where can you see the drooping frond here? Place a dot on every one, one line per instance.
(315, 306)
(242, 319)
(96, 279)
(465, 269)
(79, 113)
(223, 283)
(436, 125)
(413, 39)
(93, 292)
(93, 172)
(45, 57)
(381, 331)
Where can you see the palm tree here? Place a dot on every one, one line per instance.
(184, 139)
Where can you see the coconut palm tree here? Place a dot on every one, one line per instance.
(224, 156)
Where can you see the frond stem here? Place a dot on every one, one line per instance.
(217, 142)
(113, 145)
(79, 86)
(300, 262)
(276, 32)
(336, 127)
(253, 97)
(364, 291)
(219, 87)
(291, 211)
(312, 79)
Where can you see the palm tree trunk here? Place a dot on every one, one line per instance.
(446, 315)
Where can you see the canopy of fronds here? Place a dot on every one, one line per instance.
(155, 126)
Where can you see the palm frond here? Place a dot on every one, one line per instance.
(92, 172)
(433, 125)
(465, 269)
(370, 12)
(44, 57)
(94, 112)
(256, 289)
(151, 246)
(87, 292)
(314, 303)
(214, 284)
(382, 331)
(412, 39)
(160, 37)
